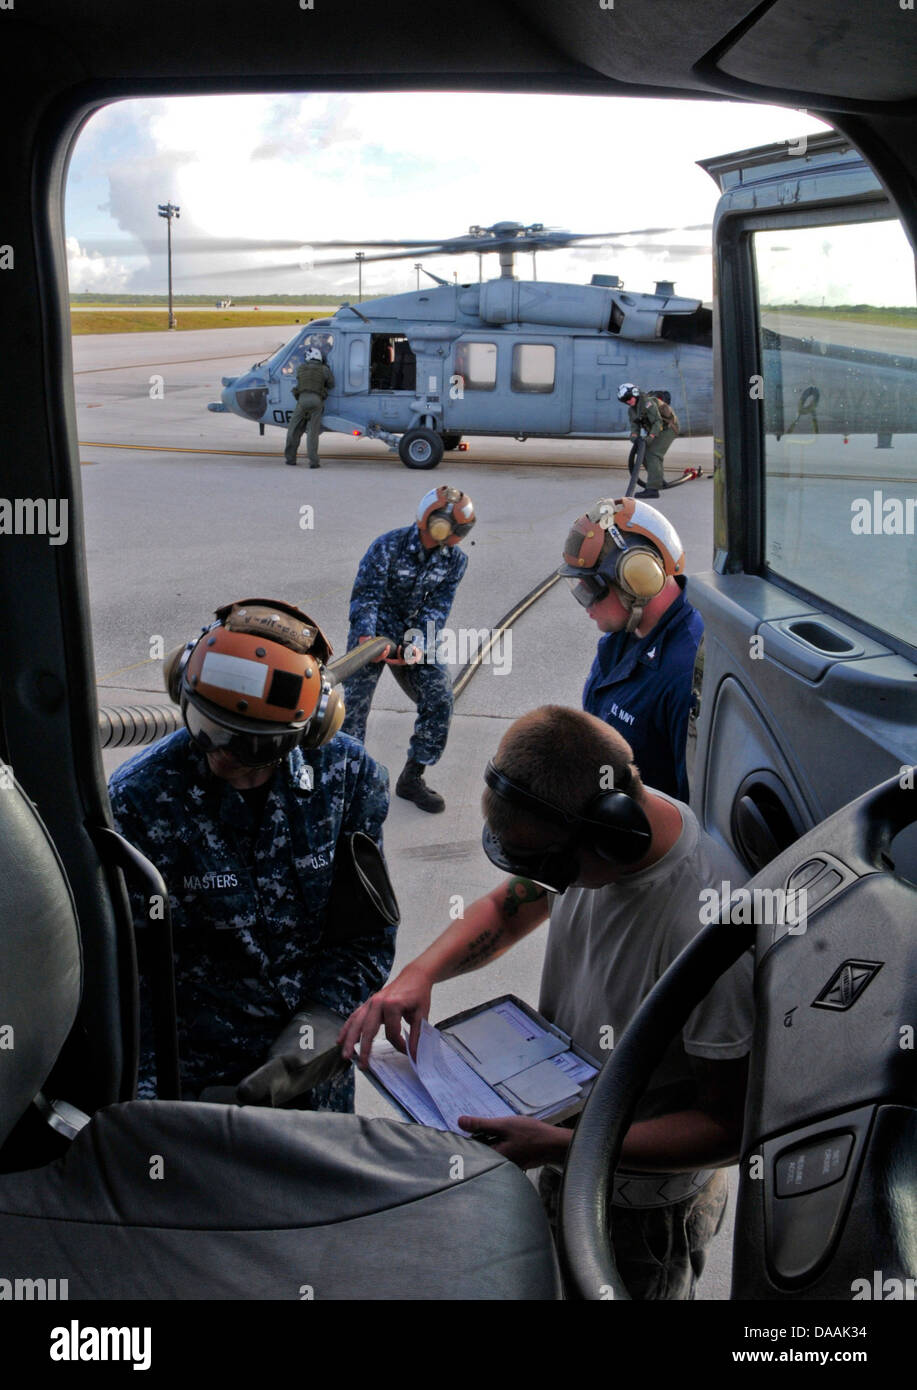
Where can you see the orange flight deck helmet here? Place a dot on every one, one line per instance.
(445, 512)
(254, 682)
(626, 544)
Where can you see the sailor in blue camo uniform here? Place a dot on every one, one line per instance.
(248, 895)
(404, 589)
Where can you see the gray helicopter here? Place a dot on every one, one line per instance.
(521, 358)
(541, 359)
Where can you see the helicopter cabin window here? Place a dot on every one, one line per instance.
(533, 367)
(476, 364)
(392, 364)
(837, 386)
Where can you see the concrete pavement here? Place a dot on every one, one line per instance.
(171, 535)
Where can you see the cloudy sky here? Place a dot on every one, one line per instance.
(298, 169)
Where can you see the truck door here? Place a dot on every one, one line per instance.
(809, 692)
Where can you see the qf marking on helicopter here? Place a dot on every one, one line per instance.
(529, 358)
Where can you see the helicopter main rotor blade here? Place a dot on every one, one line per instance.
(454, 246)
(670, 248)
(490, 243)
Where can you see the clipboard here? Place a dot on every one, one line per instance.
(514, 1052)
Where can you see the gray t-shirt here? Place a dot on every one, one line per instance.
(608, 946)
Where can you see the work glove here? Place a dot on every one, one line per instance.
(305, 1054)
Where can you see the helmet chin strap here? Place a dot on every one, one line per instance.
(634, 606)
(635, 618)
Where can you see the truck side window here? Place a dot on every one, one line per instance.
(837, 325)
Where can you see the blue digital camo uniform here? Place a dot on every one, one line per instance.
(248, 904)
(401, 585)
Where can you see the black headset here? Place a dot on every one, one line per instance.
(611, 825)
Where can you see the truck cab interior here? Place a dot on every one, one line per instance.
(805, 751)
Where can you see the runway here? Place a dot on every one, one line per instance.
(877, 337)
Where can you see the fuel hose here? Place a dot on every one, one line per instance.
(132, 725)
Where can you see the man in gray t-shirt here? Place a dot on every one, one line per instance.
(608, 946)
(567, 813)
(606, 949)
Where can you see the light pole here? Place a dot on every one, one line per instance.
(168, 211)
(418, 267)
(359, 260)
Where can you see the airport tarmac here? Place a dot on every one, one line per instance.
(211, 513)
(877, 337)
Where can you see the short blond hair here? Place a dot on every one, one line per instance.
(566, 757)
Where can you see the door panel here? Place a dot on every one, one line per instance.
(826, 734)
(810, 677)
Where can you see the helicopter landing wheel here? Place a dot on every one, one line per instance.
(420, 448)
(451, 440)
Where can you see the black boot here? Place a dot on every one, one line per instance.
(412, 787)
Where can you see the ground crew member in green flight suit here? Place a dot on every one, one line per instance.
(313, 382)
(661, 424)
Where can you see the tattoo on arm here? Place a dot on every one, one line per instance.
(492, 940)
(479, 951)
(520, 891)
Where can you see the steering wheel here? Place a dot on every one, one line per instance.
(831, 1107)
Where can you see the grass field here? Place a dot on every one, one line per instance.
(889, 318)
(85, 299)
(156, 320)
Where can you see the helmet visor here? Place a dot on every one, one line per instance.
(552, 868)
(254, 750)
(461, 528)
(588, 588)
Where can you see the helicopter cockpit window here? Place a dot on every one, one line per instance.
(476, 364)
(533, 367)
(323, 341)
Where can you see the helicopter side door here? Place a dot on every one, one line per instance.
(599, 367)
(517, 383)
(354, 375)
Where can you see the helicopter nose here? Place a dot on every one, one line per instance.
(246, 395)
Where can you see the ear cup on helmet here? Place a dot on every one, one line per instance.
(172, 666)
(640, 572)
(328, 724)
(439, 526)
